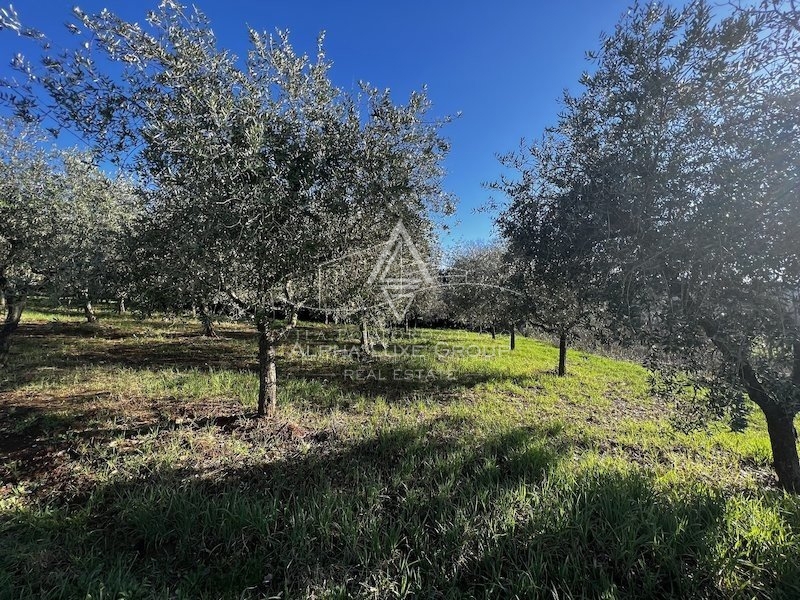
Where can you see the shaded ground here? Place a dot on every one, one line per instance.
(45, 440)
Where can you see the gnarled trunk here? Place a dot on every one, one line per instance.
(121, 305)
(780, 426)
(782, 439)
(494, 332)
(207, 321)
(88, 310)
(513, 342)
(15, 305)
(267, 374)
(562, 354)
(780, 421)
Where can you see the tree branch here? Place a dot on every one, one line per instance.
(755, 389)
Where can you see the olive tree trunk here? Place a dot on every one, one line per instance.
(268, 339)
(562, 354)
(782, 439)
(780, 426)
(366, 341)
(779, 417)
(267, 374)
(207, 321)
(15, 305)
(513, 341)
(88, 310)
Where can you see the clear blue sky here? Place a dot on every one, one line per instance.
(503, 64)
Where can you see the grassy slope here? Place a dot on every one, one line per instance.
(130, 469)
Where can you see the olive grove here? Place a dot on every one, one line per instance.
(671, 182)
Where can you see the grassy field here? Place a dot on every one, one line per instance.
(445, 467)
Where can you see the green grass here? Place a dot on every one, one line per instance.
(445, 467)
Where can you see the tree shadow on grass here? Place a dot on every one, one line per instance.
(342, 513)
(41, 352)
(40, 436)
(425, 510)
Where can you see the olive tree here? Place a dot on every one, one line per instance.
(29, 217)
(475, 292)
(687, 178)
(259, 169)
(62, 225)
(378, 286)
(555, 266)
(88, 249)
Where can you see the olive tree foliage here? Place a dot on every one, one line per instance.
(428, 303)
(555, 266)
(168, 277)
(29, 217)
(258, 170)
(475, 292)
(782, 20)
(688, 174)
(62, 225)
(89, 258)
(376, 285)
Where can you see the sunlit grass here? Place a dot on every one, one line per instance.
(135, 469)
